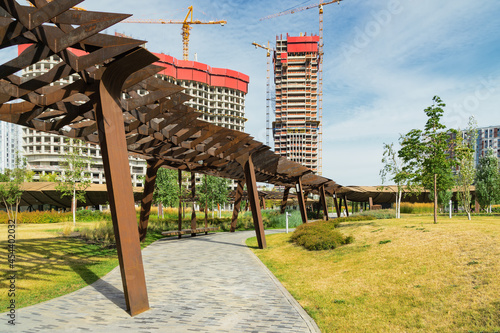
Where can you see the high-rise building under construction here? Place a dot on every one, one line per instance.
(296, 126)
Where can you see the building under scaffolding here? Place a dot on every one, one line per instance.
(296, 125)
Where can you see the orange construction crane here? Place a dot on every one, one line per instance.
(320, 70)
(268, 88)
(186, 26)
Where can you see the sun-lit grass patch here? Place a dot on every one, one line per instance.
(429, 278)
(49, 265)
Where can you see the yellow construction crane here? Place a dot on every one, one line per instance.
(268, 88)
(186, 26)
(320, 69)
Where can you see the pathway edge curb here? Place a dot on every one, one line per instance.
(311, 324)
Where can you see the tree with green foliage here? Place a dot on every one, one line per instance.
(11, 187)
(75, 178)
(213, 191)
(393, 169)
(166, 190)
(488, 180)
(465, 171)
(426, 157)
(49, 177)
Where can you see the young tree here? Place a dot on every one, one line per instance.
(488, 180)
(49, 177)
(212, 192)
(426, 157)
(166, 188)
(465, 170)
(393, 169)
(75, 178)
(11, 187)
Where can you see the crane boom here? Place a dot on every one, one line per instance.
(294, 10)
(186, 26)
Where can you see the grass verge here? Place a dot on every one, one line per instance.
(49, 265)
(406, 275)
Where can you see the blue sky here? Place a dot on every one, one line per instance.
(384, 61)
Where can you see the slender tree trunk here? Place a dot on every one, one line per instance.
(435, 198)
(73, 204)
(398, 205)
(15, 216)
(206, 214)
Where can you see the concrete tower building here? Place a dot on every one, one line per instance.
(295, 128)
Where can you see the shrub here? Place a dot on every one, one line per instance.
(319, 236)
(381, 214)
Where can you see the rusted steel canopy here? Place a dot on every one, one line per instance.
(45, 193)
(158, 125)
(388, 193)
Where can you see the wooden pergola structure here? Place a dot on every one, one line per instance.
(104, 107)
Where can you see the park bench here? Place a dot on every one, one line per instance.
(189, 231)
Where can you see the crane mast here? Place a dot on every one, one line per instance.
(268, 89)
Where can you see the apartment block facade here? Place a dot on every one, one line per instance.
(218, 94)
(488, 137)
(10, 145)
(296, 125)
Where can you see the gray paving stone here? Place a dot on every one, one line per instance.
(209, 283)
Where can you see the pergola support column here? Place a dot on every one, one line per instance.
(284, 200)
(302, 204)
(179, 211)
(335, 201)
(237, 204)
(346, 206)
(253, 198)
(193, 195)
(147, 197)
(111, 131)
(322, 197)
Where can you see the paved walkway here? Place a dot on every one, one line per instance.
(210, 283)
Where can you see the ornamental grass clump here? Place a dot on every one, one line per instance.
(102, 234)
(318, 236)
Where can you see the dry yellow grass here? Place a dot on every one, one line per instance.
(430, 278)
(39, 231)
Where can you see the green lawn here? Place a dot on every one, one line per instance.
(49, 265)
(407, 275)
